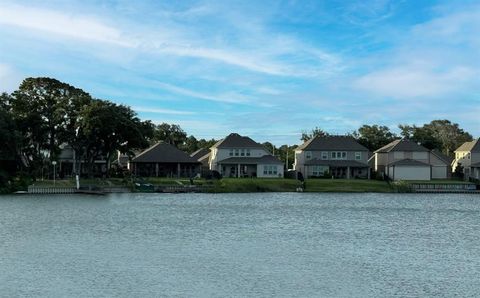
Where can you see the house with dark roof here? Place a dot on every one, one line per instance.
(467, 156)
(164, 160)
(404, 159)
(202, 155)
(240, 156)
(339, 156)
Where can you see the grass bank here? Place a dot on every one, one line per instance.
(290, 185)
(243, 185)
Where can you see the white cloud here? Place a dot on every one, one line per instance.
(162, 111)
(70, 25)
(260, 53)
(412, 82)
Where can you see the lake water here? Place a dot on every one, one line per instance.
(224, 245)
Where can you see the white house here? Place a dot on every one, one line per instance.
(239, 156)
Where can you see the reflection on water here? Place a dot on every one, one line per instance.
(205, 245)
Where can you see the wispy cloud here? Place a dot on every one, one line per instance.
(65, 24)
(162, 111)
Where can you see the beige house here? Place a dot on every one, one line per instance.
(468, 157)
(239, 156)
(406, 160)
(339, 156)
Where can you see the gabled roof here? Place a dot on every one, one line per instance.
(200, 153)
(266, 159)
(401, 145)
(234, 140)
(473, 146)
(409, 162)
(445, 158)
(164, 153)
(337, 163)
(346, 143)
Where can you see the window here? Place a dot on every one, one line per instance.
(231, 152)
(236, 152)
(270, 170)
(308, 154)
(468, 155)
(242, 152)
(319, 170)
(339, 155)
(248, 152)
(358, 155)
(324, 155)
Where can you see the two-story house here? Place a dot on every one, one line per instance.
(406, 160)
(239, 156)
(468, 157)
(339, 156)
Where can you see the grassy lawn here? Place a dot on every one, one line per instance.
(236, 185)
(255, 185)
(439, 181)
(345, 185)
(72, 183)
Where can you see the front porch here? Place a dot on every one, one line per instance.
(238, 170)
(172, 170)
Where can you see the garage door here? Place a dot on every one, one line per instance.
(411, 173)
(439, 172)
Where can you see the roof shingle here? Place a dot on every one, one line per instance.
(402, 145)
(234, 140)
(473, 146)
(332, 143)
(164, 153)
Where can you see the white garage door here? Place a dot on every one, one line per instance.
(411, 173)
(439, 172)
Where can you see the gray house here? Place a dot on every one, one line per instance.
(164, 160)
(406, 160)
(339, 156)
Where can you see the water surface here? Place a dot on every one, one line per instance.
(224, 245)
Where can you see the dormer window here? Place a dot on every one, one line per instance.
(237, 152)
(358, 155)
(324, 155)
(242, 152)
(231, 152)
(248, 152)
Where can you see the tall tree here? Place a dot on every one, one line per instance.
(422, 135)
(438, 134)
(106, 127)
(10, 138)
(46, 111)
(170, 133)
(449, 134)
(313, 133)
(374, 136)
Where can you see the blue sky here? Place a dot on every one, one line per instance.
(267, 69)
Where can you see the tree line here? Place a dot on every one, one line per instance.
(441, 135)
(44, 115)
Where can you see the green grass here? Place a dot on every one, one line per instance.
(245, 185)
(235, 185)
(439, 181)
(72, 183)
(346, 185)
